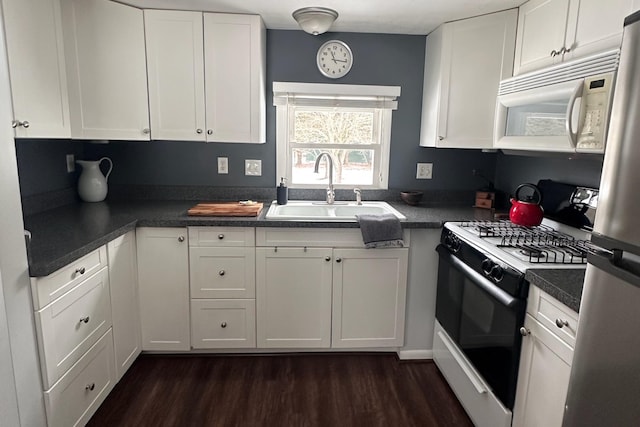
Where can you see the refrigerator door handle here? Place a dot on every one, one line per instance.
(617, 264)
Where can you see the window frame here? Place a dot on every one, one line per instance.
(380, 99)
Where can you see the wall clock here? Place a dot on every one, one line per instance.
(334, 59)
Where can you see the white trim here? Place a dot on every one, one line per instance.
(415, 354)
(319, 89)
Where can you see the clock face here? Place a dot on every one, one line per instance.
(334, 59)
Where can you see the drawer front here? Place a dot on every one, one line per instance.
(46, 289)
(222, 236)
(315, 237)
(553, 315)
(222, 272)
(75, 398)
(223, 323)
(69, 326)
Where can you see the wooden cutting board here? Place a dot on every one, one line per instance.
(225, 209)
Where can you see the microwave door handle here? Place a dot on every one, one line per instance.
(577, 93)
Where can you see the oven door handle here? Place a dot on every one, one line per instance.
(485, 284)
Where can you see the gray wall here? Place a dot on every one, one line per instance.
(512, 170)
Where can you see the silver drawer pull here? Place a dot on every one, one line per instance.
(84, 319)
(90, 387)
(561, 323)
(221, 272)
(524, 331)
(181, 239)
(80, 270)
(223, 325)
(220, 236)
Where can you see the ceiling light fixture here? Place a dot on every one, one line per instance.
(315, 20)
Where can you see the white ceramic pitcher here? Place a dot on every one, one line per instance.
(92, 185)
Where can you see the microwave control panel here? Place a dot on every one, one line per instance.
(596, 101)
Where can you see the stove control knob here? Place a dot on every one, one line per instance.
(497, 274)
(487, 266)
(452, 243)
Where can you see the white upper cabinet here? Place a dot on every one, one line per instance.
(235, 63)
(551, 31)
(36, 65)
(106, 70)
(465, 61)
(176, 74)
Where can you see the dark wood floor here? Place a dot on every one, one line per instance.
(283, 390)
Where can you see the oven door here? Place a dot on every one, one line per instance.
(483, 320)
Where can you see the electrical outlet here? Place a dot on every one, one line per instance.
(424, 171)
(223, 165)
(71, 163)
(253, 167)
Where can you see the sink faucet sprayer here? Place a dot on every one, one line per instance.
(331, 195)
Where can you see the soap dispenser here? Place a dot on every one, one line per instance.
(283, 192)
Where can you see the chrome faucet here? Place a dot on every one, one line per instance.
(331, 195)
(358, 196)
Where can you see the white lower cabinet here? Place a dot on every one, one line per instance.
(369, 288)
(123, 280)
(78, 394)
(345, 296)
(293, 294)
(219, 323)
(163, 285)
(545, 361)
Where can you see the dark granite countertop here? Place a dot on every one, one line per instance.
(62, 235)
(565, 285)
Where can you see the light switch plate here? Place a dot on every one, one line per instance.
(424, 171)
(253, 167)
(223, 165)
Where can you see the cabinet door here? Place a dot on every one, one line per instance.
(542, 25)
(223, 323)
(175, 64)
(106, 70)
(543, 378)
(477, 54)
(369, 295)
(163, 282)
(594, 27)
(36, 65)
(293, 297)
(123, 283)
(235, 77)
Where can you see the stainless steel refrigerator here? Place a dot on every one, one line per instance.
(604, 387)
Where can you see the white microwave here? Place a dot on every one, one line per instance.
(548, 111)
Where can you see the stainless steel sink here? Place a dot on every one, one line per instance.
(302, 210)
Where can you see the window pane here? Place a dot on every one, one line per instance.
(350, 167)
(334, 127)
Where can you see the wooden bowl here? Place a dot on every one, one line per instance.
(411, 197)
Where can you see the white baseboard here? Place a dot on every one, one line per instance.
(415, 354)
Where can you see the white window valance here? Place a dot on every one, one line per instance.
(334, 95)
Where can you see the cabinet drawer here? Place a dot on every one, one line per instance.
(69, 326)
(553, 315)
(222, 272)
(75, 398)
(223, 323)
(222, 236)
(48, 288)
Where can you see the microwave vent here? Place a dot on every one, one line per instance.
(600, 63)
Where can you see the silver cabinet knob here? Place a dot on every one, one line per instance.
(84, 319)
(181, 239)
(440, 138)
(25, 124)
(14, 123)
(146, 131)
(220, 236)
(561, 323)
(327, 258)
(221, 273)
(524, 331)
(90, 387)
(554, 53)
(223, 325)
(80, 270)
(198, 131)
(338, 259)
(209, 131)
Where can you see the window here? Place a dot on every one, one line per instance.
(351, 123)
